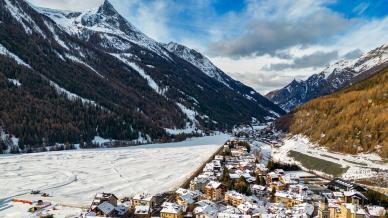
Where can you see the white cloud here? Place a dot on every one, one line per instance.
(268, 26)
(249, 70)
(67, 4)
(366, 36)
(352, 35)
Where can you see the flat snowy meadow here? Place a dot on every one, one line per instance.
(75, 176)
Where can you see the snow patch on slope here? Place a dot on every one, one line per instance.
(75, 59)
(142, 73)
(371, 59)
(115, 42)
(198, 60)
(250, 98)
(23, 18)
(191, 127)
(69, 95)
(15, 82)
(338, 66)
(56, 37)
(4, 51)
(98, 140)
(191, 114)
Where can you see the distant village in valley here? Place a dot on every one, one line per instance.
(240, 181)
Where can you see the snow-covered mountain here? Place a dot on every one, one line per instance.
(334, 77)
(198, 60)
(205, 65)
(105, 26)
(105, 77)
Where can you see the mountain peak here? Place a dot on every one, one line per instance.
(176, 47)
(334, 77)
(294, 82)
(107, 9)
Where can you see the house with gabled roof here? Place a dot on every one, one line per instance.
(143, 199)
(205, 209)
(172, 210)
(215, 191)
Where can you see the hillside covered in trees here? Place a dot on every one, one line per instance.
(106, 79)
(352, 120)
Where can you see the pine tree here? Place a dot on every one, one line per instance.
(273, 192)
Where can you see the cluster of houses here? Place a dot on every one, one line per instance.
(210, 196)
(266, 134)
(108, 205)
(236, 185)
(345, 200)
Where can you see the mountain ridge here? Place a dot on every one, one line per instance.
(351, 120)
(133, 87)
(206, 66)
(334, 77)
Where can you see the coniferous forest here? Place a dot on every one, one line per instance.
(75, 88)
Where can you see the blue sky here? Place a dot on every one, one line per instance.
(360, 8)
(263, 43)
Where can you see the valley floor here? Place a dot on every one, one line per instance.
(75, 176)
(298, 149)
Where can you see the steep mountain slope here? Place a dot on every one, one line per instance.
(206, 66)
(37, 42)
(110, 32)
(69, 76)
(351, 120)
(334, 77)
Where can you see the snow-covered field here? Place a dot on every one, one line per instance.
(74, 177)
(360, 166)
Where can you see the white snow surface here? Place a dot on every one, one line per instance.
(69, 95)
(99, 140)
(18, 210)
(338, 66)
(191, 127)
(5, 51)
(75, 176)
(359, 165)
(15, 82)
